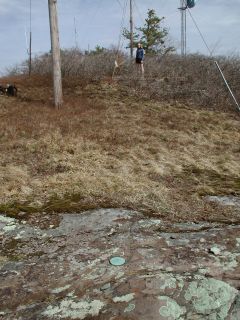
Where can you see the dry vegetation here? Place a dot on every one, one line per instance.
(112, 146)
(194, 80)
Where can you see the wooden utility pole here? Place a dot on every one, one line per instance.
(131, 28)
(56, 59)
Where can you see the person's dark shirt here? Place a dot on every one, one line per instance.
(140, 53)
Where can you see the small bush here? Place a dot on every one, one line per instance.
(194, 80)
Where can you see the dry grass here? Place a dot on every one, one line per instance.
(106, 148)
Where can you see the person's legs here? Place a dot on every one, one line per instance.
(137, 68)
(142, 69)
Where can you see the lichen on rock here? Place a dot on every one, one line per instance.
(171, 310)
(74, 310)
(211, 297)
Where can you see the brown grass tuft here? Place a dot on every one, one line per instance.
(106, 148)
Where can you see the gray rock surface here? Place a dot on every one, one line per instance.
(172, 271)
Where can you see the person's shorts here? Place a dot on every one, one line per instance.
(138, 60)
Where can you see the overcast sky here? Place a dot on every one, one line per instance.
(98, 22)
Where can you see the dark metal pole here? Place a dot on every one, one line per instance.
(30, 42)
(131, 28)
(30, 55)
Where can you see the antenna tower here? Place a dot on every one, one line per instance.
(75, 33)
(183, 7)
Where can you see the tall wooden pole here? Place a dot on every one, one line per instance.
(56, 59)
(131, 28)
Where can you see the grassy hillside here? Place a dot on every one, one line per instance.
(109, 147)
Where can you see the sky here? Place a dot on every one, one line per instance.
(97, 22)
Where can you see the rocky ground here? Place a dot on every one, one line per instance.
(59, 268)
(175, 165)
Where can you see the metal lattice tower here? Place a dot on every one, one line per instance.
(183, 28)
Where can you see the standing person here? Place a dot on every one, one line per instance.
(140, 58)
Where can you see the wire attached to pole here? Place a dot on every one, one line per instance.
(118, 1)
(201, 35)
(116, 66)
(229, 89)
(216, 63)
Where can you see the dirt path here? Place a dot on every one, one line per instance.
(178, 271)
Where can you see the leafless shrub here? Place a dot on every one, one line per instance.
(193, 79)
(75, 63)
(17, 69)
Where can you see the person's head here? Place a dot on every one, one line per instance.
(139, 45)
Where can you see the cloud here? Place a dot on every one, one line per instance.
(98, 22)
(11, 7)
